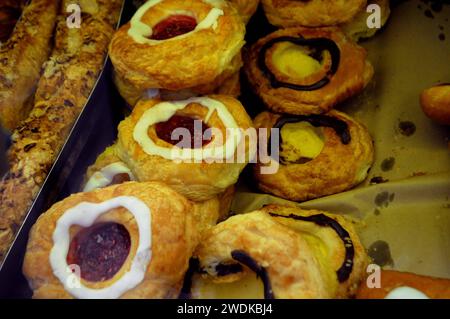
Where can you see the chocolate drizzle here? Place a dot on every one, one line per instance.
(316, 120)
(319, 44)
(227, 269)
(344, 272)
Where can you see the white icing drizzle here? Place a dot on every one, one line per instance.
(406, 293)
(105, 176)
(141, 32)
(85, 214)
(215, 150)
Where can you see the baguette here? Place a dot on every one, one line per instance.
(68, 78)
(21, 59)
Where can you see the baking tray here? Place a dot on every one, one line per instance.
(405, 220)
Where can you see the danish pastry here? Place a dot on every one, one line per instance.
(198, 146)
(311, 13)
(132, 240)
(296, 253)
(318, 155)
(21, 59)
(435, 103)
(161, 48)
(307, 70)
(358, 27)
(403, 285)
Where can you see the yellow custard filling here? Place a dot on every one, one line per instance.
(300, 141)
(293, 61)
(249, 287)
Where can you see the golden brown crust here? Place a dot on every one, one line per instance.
(353, 74)
(291, 252)
(173, 238)
(106, 158)
(337, 168)
(434, 288)
(63, 90)
(435, 103)
(227, 83)
(197, 181)
(312, 13)
(182, 62)
(21, 58)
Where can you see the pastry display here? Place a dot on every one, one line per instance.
(311, 13)
(358, 29)
(147, 235)
(197, 145)
(318, 155)
(227, 151)
(403, 285)
(67, 80)
(295, 253)
(307, 70)
(163, 49)
(21, 56)
(435, 103)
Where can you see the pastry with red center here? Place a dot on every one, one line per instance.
(173, 45)
(198, 146)
(132, 240)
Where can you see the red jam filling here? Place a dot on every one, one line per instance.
(100, 251)
(195, 127)
(173, 26)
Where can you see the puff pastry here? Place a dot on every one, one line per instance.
(228, 83)
(320, 155)
(357, 28)
(21, 59)
(431, 287)
(161, 48)
(298, 254)
(311, 13)
(197, 146)
(66, 83)
(307, 70)
(132, 240)
(435, 103)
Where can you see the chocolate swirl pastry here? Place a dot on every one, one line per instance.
(318, 155)
(265, 242)
(318, 45)
(306, 71)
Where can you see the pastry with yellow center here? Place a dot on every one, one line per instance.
(307, 70)
(317, 155)
(278, 252)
